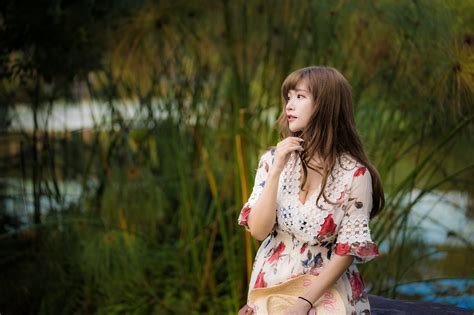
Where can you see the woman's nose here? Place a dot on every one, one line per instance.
(289, 105)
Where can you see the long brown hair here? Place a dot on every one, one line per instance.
(331, 130)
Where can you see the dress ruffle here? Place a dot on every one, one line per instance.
(244, 214)
(362, 251)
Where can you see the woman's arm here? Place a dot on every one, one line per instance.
(263, 215)
(327, 277)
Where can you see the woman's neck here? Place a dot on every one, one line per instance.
(315, 162)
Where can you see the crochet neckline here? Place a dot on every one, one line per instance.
(309, 197)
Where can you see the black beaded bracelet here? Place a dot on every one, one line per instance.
(306, 301)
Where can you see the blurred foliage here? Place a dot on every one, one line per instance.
(155, 227)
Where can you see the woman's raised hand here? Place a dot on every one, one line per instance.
(283, 150)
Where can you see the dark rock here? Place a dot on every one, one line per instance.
(380, 305)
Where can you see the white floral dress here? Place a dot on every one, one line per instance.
(306, 235)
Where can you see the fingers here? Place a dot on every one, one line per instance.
(293, 140)
(290, 144)
(246, 310)
(283, 150)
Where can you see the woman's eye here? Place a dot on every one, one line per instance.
(300, 95)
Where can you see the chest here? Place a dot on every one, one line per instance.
(313, 220)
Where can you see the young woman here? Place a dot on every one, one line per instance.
(311, 203)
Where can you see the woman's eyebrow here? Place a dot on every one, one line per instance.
(301, 90)
(298, 90)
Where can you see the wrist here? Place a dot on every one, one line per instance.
(305, 303)
(275, 172)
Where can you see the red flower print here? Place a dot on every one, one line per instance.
(329, 301)
(277, 252)
(244, 214)
(307, 282)
(260, 283)
(341, 196)
(360, 171)
(328, 226)
(357, 285)
(342, 248)
(368, 250)
(303, 248)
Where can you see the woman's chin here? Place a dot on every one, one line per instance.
(293, 129)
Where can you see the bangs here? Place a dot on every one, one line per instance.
(291, 82)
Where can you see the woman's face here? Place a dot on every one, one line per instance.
(299, 107)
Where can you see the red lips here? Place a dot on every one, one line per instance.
(290, 117)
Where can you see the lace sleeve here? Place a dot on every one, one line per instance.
(353, 237)
(266, 160)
